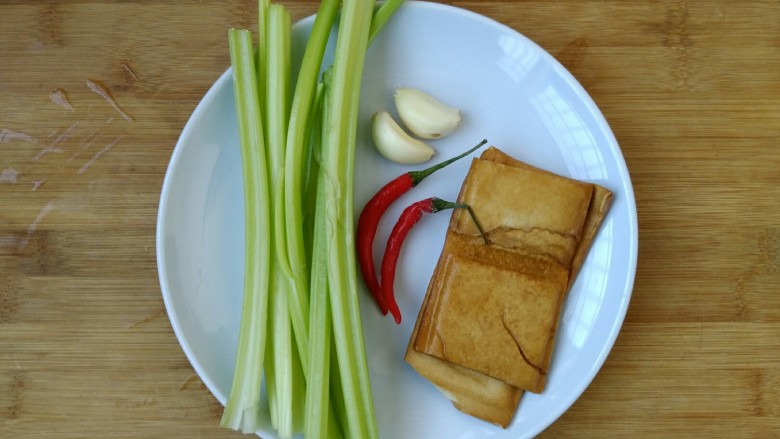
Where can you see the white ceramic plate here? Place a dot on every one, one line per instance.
(511, 92)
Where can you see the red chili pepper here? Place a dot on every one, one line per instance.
(410, 216)
(372, 213)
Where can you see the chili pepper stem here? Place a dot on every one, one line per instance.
(476, 223)
(418, 176)
(438, 204)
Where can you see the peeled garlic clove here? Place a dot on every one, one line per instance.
(394, 144)
(424, 115)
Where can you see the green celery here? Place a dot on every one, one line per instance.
(261, 66)
(262, 36)
(285, 390)
(277, 94)
(317, 378)
(311, 172)
(295, 161)
(339, 408)
(282, 354)
(299, 392)
(382, 16)
(319, 318)
(269, 368)
(300, 126)
(288, 316)
(278, 40)
(284, 373)
(242, 410)
(320, 420)
(278, 104)
(339, 143)
(300, 262)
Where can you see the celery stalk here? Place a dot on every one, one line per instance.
(300, 269)
(284, 372)
(298, 129)
(269, 369)
(282, 354)
(323, 386)
(320, 419)
(318, 383)
(382, 16)
(299, 392)
(311, 172)
(262, 36)
(336, 394)
(290, 312)
(300, 126)
(317, 377)
(339, 144)
(277, 93)
(278, 104)
(242, 410)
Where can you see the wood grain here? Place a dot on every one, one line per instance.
(690, 88)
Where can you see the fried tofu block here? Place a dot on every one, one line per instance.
(471, 392)
(487, 325)
(597, 211)
(493, 308)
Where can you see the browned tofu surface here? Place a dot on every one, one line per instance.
(487, 325)
(493, 307)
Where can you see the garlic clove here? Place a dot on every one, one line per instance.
(424, 115)
(395, 144)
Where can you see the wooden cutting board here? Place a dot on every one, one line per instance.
(690, 88)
